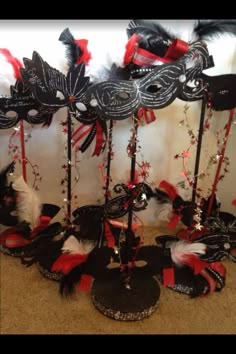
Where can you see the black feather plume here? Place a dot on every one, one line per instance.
(3, 179)
(69, 281)
(211, 29)
(73, 50)
(154, 35)
(149, 29)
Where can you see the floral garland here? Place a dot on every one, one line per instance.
(15, 150)
(213, 159)
(64, 180)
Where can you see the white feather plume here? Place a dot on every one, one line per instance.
(182, 249)
(28, 205)
(73, 246)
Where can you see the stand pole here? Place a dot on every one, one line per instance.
(23, 158)
(222, 154)
(108, 161)
(199, 145)
(69, 133)
(126, 271)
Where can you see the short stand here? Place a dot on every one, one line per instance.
(113, 300)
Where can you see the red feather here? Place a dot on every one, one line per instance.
(170, 189)
(85, 283)
(130, 48)
(234, 202)
(66, 262)
(86, 55)
(16, 64)
(194, 262)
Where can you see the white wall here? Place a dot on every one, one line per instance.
(159, 141)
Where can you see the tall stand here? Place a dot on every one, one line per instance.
(69, 133)
(126, 293)
(222, 154)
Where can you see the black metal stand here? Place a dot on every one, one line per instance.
(69, 133)
(108, 172)
(127, 293)
(199, 146)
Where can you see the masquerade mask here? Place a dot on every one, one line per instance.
(119, 99)
(21, 105)
(221, 91)
(45, 81)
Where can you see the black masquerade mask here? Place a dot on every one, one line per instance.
(119, 99)
(46, 81)
(221, 91)
(21, 105)
(150, 45)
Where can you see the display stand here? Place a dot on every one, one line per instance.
(126, 293)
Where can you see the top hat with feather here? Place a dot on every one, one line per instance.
(31, 217)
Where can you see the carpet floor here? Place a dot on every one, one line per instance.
(30, 304)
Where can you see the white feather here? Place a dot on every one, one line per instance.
(28, 205)
(181, 249)
(73, 246)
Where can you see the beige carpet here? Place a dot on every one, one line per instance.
(30, 304)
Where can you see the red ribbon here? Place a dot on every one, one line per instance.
(85, 130)
(11, 238)
(168, 276)
(44, 221)
(108, 235)
(143, 57)
(99, 139)
(146, 114)
(173, 222)
(85, 283)
(176, 50)
(219, 267)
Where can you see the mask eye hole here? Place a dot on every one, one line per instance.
(32, 113)
(154, 87)
(122, 96)
(11, 114)
(60, 95)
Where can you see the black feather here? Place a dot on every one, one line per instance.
(3, 174)
(155, 38)
(211, 29)
(68, 281)
(161, 196)
(7, 193)
(149, 29)
(73, 50)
